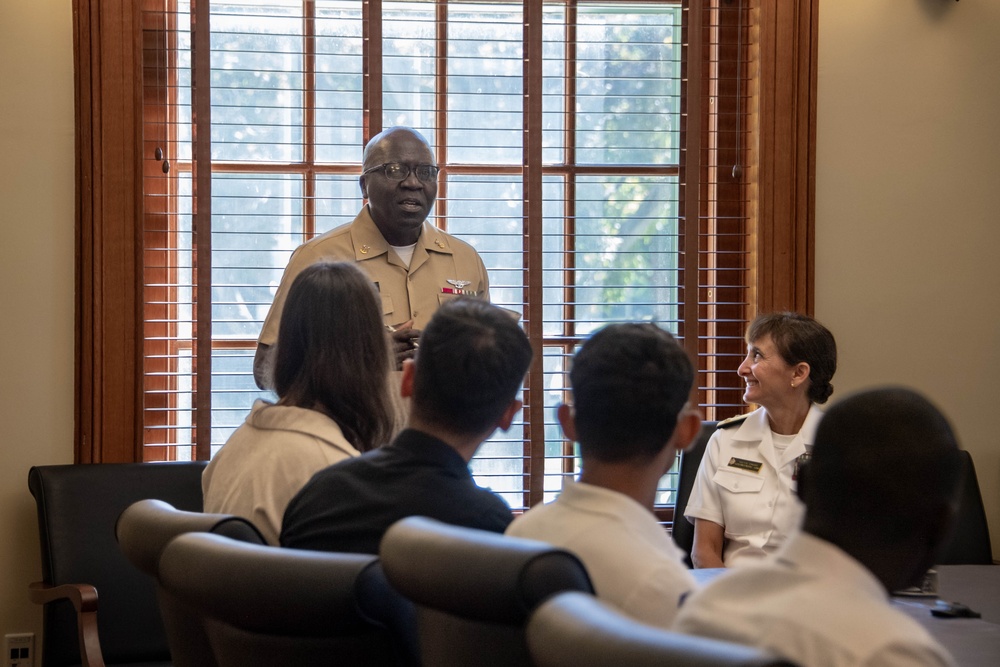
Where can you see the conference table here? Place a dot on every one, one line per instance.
(974, 642)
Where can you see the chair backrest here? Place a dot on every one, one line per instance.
(578, 630)
(385, 607)
(474, 589)
(143, 530)
(78, 506)
(970, 540)
(265, 605)
(683, 531)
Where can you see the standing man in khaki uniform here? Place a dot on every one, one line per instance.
(415, 266)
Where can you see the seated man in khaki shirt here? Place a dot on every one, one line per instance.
(414, 265)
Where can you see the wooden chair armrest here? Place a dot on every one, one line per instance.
(84, 600)
(83, 596)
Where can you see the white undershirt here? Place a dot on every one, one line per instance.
(781, 442)
(405, 252)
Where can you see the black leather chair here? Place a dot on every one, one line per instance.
(578, 630)
(384, 607)
(474, 589)
(266, 605)
(683, 530)
(143, 531)
(78, 506)
(970, 540)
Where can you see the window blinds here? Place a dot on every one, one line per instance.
(597, 154)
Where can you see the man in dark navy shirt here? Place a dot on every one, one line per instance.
(463, 385)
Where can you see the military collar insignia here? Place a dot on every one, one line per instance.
(732, 421)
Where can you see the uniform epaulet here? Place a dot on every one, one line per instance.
(732, 421)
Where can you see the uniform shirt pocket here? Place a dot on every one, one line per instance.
(387, 306)
(741, 500)
(737, 481)
(444, 297)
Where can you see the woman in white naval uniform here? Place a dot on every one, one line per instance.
(743, 502)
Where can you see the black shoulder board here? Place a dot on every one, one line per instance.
(732, 421)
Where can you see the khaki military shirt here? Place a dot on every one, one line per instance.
(442, 267)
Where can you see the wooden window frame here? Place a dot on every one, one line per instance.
(109, 176)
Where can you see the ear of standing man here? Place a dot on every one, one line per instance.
(415, 266)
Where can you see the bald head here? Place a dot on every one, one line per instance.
(399, 200)
(379, 148)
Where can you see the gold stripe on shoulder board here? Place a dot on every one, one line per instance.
(732, 421)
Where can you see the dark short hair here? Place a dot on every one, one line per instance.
(801, 338)
(333, 355)
(629, 383)
(470, 365)
(884, 459)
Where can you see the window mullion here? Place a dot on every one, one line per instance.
(371, 54)
(569, 310)
(533, 275)
(309, 118)
(690, 181)
(201, 93)
(441, 95)
(569, 107)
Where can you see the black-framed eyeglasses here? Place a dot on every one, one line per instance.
(394, 171)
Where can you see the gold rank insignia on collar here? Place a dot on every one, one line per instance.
(441, 244)
(365, 248)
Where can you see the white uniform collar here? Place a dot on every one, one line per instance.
(755, 428)
(812, 555)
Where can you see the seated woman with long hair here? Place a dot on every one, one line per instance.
(331, 374)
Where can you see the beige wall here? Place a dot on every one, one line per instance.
(36, 266)
(908, 198)
(908, 207)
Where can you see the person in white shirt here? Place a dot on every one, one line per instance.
(630, 414)
(743, 503)
(880, 494)
(331, 375)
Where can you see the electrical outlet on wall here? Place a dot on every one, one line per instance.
(19, 650)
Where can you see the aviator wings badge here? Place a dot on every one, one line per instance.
(459, 287)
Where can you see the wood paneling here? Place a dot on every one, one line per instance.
(786, 187)
(109, 173)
